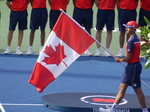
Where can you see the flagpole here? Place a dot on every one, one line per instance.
(97, 42)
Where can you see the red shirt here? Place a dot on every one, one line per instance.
(39, 4)
(128, 4)
(133, 46)
(83, 4)
(145, 4)
(19, 5)
(106, 4)
(57, 4)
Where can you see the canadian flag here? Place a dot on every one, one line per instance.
(66, 42)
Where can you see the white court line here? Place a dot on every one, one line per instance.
(1, 108)
(14, 104)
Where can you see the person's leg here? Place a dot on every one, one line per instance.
(108, 42)
(122, 19)
(53, 16)
(98, 37)
(140, 96)
(42, 39)
(120, 95)
(100, 22)
(32, 32)
(108, 39)
(22, 25)
(121, 44)
(88, 30)
(12, 25)
(110, 17)
(31, 40)
(143, 13)
(20, 38)
(121, 39)
(87, 22)
(43, 22)
(88, 51)
(9, 37)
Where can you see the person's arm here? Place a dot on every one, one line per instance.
(137, 1)
(117, 3)
(30, 1)
(49, 2)
(127, 58)
(8, 4)
(68, 1)
(74, 2)
(97, 2)
(92, 1)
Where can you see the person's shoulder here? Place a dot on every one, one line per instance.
(137, 38)
(134, 39)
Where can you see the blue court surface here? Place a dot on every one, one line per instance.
(86, 74)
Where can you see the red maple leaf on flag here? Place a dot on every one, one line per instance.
(55, 57)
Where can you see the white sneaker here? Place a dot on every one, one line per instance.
(97, 53)
(120, 54)
(8, 51)
(107, 54)
(88, 53)
(104, 110)
(18, 51)
(40, 49)
(29, 51)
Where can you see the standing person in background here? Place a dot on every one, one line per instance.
(38, 19)
(18, 15)
(126, 12)
(55, 5)
(83, 14)
(105, 15)
(144, 11)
